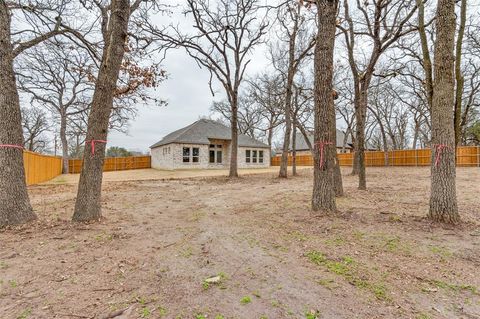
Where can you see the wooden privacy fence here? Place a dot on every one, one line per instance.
(466, 156)
(114, 164)
(41, 168)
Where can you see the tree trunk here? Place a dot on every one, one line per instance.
(459, 79)
(88, 203)
(361, 115)
(443, 198)
(234, 144)
(63, 138)
(323, 198)
(294, 151)
(15, 205)
(338, 178)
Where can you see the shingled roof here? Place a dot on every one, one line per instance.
(202, 130)
(301, 144)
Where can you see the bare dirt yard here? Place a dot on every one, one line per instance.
(248, 248)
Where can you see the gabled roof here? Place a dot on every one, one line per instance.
(301, 144)
(202, 130)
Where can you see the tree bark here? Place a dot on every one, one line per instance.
(323, 198)
(294, 151)
(338, 178)
(63, 138)
(234, 145)
(361, 115)
(459, 79)
(443, 199)
(15, 205)
(88, 203)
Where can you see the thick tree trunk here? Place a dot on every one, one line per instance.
(15, 205)
(294, 151)
(361, 115)
(63, 138)
(459, 79)
(323, 198)
(443, 198)
(88, 203)
(338, 178)
(234, 144)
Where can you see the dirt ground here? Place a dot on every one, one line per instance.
(270, 256)
(157, 174)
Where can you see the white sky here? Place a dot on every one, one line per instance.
(188, 95)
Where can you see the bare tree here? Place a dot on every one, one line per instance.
(225, 33)
(323, 197)
(443, 198)
(296, 36)
(35, 124)
(59, 81)
(40, 20)
(267, 91)
(381, 23)
(115, 20)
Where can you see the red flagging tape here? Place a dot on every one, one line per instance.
(12, 146)
(438, 152)
(322, 149)
(92, 145)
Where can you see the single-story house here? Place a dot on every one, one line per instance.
(206, 144)
(302, 148)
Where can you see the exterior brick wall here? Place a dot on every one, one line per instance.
(170, 157)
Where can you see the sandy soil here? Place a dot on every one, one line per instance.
(156, 174)
(378, 257)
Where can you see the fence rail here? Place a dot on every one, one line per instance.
(114, 164)
(40, 168)
(466, 156)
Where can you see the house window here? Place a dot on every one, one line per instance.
(254, 156)
(247, 156)
(215, 153)
(195, 154)
(260, 156)
(186, 154)
(212, 156)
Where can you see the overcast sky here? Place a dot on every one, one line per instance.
(188, 95)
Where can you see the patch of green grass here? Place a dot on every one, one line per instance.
(219, 317)
(205, 285)
(297, 235)
(25, 314)
(316, 257)
(3, 265)
(312, 314)
(187, 252)
(454, 287)
(200, 316)
(392, 243)
(245, 300)
(327, 283)
(441, 251)
(161, 311)
(348, 268)
(423, 315)
(13, 283)
(337, 241)
(145, 312)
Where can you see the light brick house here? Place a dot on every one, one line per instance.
(206, 144)
(301, 146)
